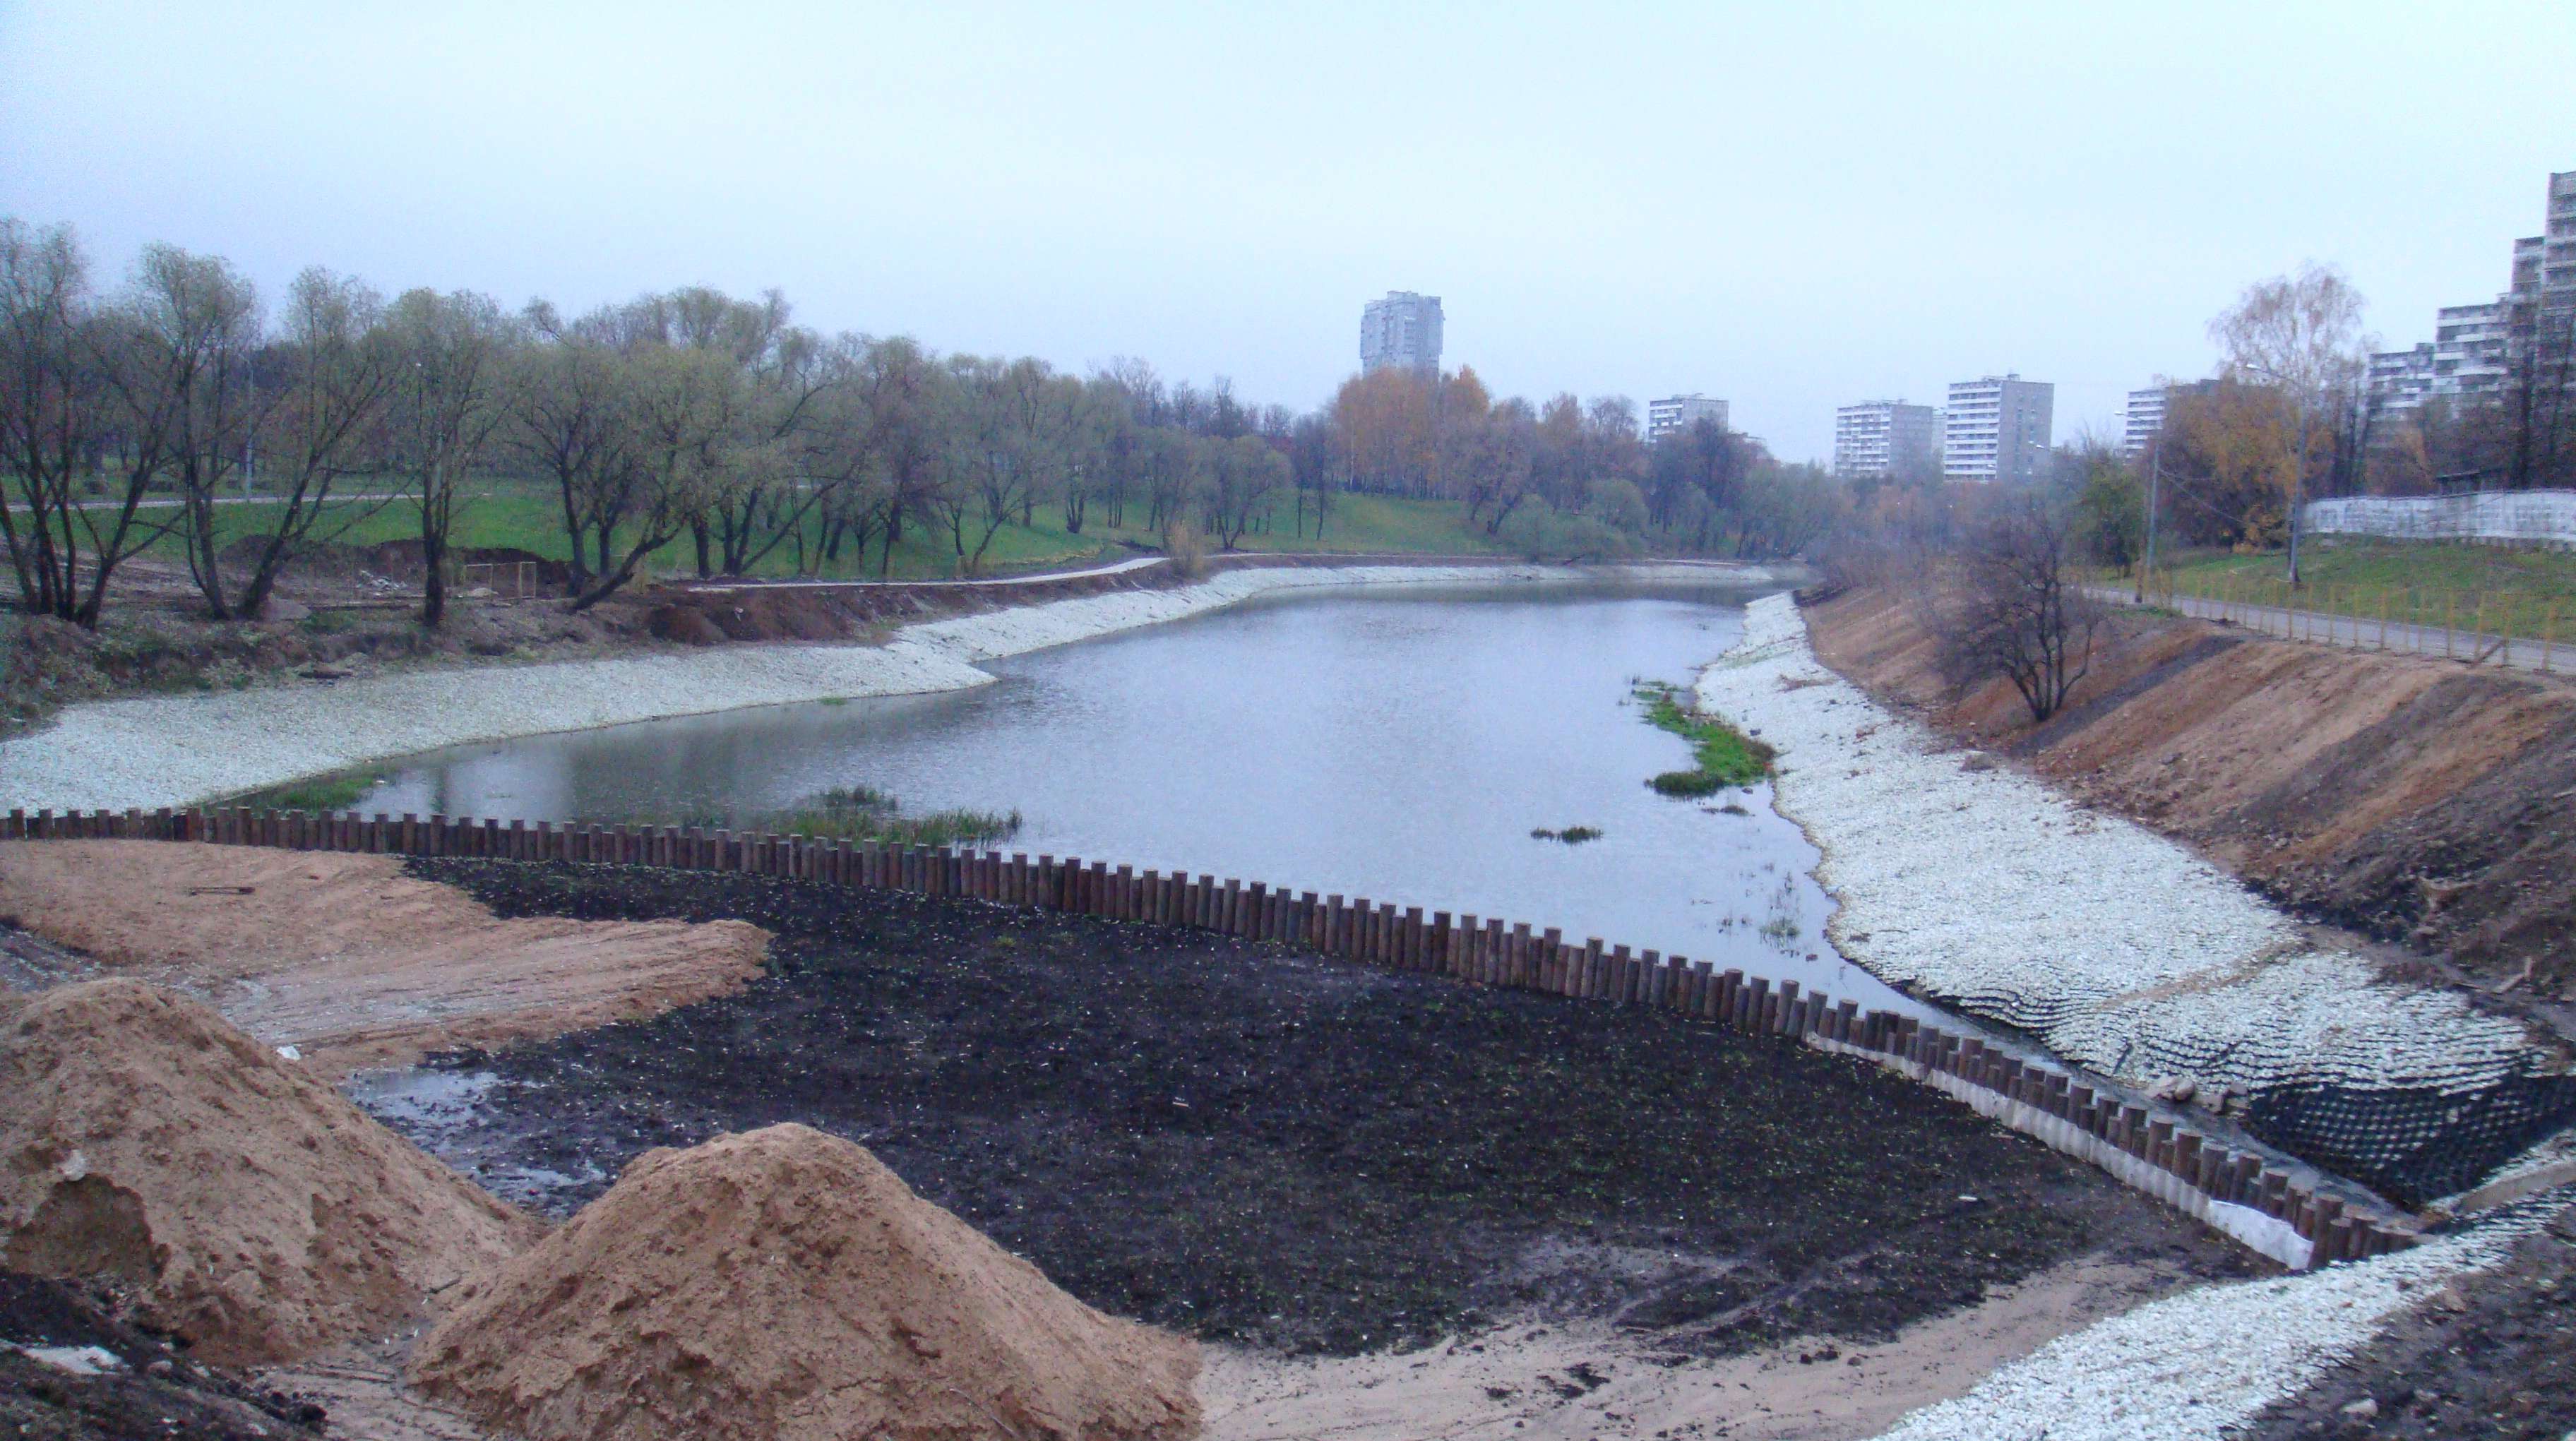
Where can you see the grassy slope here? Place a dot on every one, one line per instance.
(526, 517)
(2422, 582)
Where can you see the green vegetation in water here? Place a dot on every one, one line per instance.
(1571, 835)
(864, 813)
(337, 792)
(1725, 756)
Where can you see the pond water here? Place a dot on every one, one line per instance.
(1394, 744)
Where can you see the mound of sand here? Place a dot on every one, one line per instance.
(349, 959)
(784, 1284)
(254, 1211)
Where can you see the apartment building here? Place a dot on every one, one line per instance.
(1881, 438)
(1676, 413)
(1402, 329)
(1997, 428)
(2476, 348)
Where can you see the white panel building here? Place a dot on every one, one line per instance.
(1885, 437)
(1997, 428)
(1676, 413)
(1403, 329)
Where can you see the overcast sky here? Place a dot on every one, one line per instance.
(1793, 211)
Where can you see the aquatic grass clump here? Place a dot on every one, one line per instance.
(339, 791)
(864, 813)
(847, 813)
(1725, 755)
(1571, 835)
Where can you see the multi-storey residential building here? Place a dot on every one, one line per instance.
(1885, 438)
(1997, 428)
(1403, 329)
(1676, 413)
(2476, 348)
(2139, 422)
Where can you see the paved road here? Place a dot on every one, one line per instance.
(2370, 634)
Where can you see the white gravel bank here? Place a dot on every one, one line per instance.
(177, 751)
(2122, 950)
(2191, 1366)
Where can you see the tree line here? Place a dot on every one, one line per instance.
(716, 427)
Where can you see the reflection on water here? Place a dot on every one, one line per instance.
(1395, 745)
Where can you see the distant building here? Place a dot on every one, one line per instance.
(1884, 438)
(1997, 428)
(2143, 418)
(1401, 330)
(2476, 348)
(1680, 412)
(2147, 411)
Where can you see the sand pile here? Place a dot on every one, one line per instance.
(783, 1284)
(351, 960)
(255, 1211)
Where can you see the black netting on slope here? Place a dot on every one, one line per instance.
(2413, 1145)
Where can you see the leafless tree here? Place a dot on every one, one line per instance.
(64, 430)
(449, 393)
(2010, 606)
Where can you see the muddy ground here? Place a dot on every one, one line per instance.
(149, 1389)
(2492, 1356)
(1309, 1157)
(2424, 803)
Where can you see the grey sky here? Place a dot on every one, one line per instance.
(1793, 210)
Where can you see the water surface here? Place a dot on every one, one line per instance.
(1399, 745)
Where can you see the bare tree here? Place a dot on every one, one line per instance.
(449, 363)
(2009, 607)
(2299, 335)
(61, 420)
(331, 374)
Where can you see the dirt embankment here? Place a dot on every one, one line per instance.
(348, 959)
(2415, 800)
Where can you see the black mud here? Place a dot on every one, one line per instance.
(1262, 1147)
(149, 1389)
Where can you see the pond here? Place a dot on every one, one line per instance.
(1397, 744)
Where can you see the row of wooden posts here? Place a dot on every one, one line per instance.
(1475, 950)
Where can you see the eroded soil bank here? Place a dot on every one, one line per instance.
(1258, 1147)
(2415, 800)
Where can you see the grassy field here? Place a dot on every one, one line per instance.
(527, 517)
(2485, 589)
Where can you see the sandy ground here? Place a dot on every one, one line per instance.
(347, 959)
(1591, 1381)
(1525, 1380)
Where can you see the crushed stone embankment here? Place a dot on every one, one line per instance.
(2414, 799)
(2199, 1366)
(2121, 950)
(187, 750)
(349, 960)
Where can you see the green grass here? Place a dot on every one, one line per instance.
(1724, 756)
(2470, 588)
(337, 792)
(1571, 835)
(526, 516)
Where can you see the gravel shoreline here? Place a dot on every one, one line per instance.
(185, 750)
(2117, 948)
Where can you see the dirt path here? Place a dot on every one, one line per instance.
(348, 959)
(1588, 1380)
